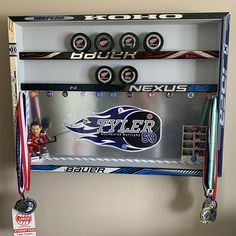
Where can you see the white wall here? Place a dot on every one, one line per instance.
(112, 205)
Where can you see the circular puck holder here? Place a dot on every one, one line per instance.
(80, 42)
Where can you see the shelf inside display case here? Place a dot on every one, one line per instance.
(114, 55)
(155, 88)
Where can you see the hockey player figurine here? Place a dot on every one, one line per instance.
(37, 140)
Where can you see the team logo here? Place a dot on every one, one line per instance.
(23, 219)
(127, 128)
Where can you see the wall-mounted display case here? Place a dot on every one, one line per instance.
(120, 93)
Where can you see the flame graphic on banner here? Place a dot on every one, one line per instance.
(87, 128)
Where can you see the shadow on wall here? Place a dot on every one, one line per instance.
(7, 201)
(6, 135)
(7, 151)
(183, 201)
(183, 198)
(6, 125)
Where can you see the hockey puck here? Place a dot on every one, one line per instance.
(80, 42)
(153, 42)
(26, 206)
(21, 206)
(104, 42)
(32, 205)
(128, 75)
(104, 75)
(129, 42)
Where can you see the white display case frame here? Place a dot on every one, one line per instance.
(195, 52)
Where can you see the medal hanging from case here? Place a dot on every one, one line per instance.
(25, 205)
(210, 173)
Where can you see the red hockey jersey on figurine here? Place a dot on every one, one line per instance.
(37, 144)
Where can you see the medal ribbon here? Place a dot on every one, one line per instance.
(210, 173)
(23, 156)
(19, 165)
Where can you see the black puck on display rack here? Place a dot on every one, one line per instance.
(128, 75)
(129, 42)
(153, 42)
(80, 42)
(104, 75)
(104, 42)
